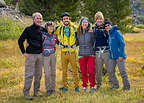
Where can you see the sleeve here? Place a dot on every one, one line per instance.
(21, 40)
(93, 41)
(77, 41)
(57, 41)
(76, 37)
(57, 31)
(121, 44)
(106, 34)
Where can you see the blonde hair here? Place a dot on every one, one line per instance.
(35, 14)
(99, 15)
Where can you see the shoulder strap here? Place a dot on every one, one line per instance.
(60, 31)
(75, 32)
(60, 36)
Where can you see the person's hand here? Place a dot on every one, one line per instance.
(73, 46)
(27, 44)
(64, 46)
(90, 31)
(120, 59)
(26, 55)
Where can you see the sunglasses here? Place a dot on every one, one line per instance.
(107, 25)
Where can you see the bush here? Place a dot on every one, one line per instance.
(9, 29)
(141, 18)
(141, 26)
(125, 25)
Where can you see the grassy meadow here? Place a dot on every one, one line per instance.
(12, 78)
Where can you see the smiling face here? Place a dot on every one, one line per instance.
(84, 24)
(50, 29)
(108, 27)
(38, 20)
(99, 21)
(66, 20)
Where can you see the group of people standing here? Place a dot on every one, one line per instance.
(103, 45)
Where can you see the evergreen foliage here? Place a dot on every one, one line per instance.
(50, 9)
(116, 10)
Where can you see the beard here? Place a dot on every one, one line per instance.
(66, 23)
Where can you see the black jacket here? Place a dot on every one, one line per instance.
(101, 36)
(33, 35)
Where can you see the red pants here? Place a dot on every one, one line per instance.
(87, 66)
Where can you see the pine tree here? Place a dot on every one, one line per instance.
(116, 10)
(50, 9)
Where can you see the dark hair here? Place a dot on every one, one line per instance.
(107, 21)
(79, 29)
(65, 14)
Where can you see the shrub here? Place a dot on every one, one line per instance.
(141, 18)
(9, 29)
(125, 25)
(141, 26)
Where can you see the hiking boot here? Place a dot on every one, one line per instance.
(28, 97)
(92, 90)
(38, 94)
(64, 89)
(52, 91)
(49, 92)
(114, 87)
(77, 90)
(97, 89)
(85, 89)
(126, 88)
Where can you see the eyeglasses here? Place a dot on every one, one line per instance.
(107, 25)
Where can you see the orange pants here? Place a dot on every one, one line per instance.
(66, 58)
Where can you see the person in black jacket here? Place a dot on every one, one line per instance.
(101, 48)
(33, 55)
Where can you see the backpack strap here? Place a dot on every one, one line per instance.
(75, 31)
(60, 36)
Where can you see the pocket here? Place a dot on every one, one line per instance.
(46, 53)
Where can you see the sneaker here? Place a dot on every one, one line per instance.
(126, 88)
(48, 92)
(85, 89)
(92, 90)
(28, 97)
(115, 87)
(77, 90)
(38, 94)
(64, 89)
(97, 89)
(52, 91)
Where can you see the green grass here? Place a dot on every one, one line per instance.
(12, 78)
(9, 29)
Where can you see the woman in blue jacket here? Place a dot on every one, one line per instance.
(117, 55)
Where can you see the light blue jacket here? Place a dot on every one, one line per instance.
(116, 43)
